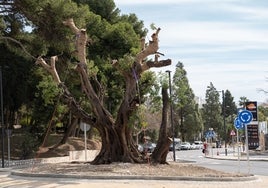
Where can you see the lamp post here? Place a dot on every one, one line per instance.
(171, 116)
(224, 122)
(2, 118)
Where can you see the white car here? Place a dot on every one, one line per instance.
(198, 144)
(185, 146)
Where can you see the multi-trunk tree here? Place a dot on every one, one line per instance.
(116, 134)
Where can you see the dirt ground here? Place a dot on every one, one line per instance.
(128, 169)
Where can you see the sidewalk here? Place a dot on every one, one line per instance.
(232, 154)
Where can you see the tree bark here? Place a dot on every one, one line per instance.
(159, 155)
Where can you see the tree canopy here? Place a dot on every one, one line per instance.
(108, 53)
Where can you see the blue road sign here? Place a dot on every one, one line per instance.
(237, 123)
(210, 134)
(245, 116)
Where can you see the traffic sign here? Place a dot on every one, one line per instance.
(245, 116)
(238, 124)
(232, 133)
(84, 126)
(210, 134)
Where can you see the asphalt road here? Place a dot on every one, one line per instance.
(251, 167)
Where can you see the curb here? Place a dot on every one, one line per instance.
(168, 178)
(236, 158)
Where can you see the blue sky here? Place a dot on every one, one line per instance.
(220, 41)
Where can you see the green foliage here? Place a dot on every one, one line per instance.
(185, 107)
(28, 145)
(149, 91)
(125, 63)
(230, 106)
(242, 101)
(105, 8)
(262, 113)
(138, 26)
(152, 26)
(137, 120)
(2, 25)
(48, 90)
(47, 16)
(212, 110)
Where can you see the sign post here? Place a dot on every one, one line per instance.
(246, 117)
(85, 127)
(238, 125)
(253, 132)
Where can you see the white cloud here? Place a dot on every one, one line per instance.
(210, 33)
(220, 41)
(252, 12)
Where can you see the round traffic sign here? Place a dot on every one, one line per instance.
(245, 116)
(84, 126)
(238, 124)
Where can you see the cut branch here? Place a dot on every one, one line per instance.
(150, 49)
(50, 68)
(150, 64)
(81, 41)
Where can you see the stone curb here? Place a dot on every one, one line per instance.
(236, 158)
(168, 178)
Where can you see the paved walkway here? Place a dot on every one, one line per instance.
(26, 182)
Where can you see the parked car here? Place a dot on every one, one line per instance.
(177, 146)
(185, 146)
(193, 146)
(149, 147)
(177, 142)
(198, 144)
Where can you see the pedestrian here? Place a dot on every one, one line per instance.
(205, 148)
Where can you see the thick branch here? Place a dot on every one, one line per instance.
(71, 25)
(81, 41)
(50, 68)
(75, 107)
(149, 64)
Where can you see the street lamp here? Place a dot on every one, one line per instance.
(2, 118)
(171, 117)
(224, 121)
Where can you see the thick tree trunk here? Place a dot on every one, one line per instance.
(159, 155)
(70, 128)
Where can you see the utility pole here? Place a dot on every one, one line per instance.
(224, 122)
(2, 119)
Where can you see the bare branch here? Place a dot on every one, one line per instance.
(50, 68)
(71, 25)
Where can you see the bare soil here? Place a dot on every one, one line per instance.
(128, 169)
